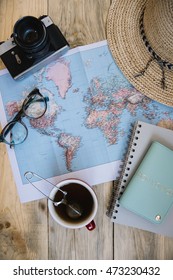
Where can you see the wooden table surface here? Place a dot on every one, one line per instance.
(26, 230)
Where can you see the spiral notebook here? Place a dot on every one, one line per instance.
(141, 142)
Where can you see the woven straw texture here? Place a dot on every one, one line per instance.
(129, 51)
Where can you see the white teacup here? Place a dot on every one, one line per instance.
(80, 197)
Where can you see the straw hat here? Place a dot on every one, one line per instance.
(140, 37)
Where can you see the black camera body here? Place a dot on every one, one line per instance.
(33, 44)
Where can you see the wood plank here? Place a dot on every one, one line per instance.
(82, 244)
(136, 244)
(82, 22)
(23, 227)
(12, 10)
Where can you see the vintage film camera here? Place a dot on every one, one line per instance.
(33, 44)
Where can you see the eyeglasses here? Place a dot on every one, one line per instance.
(33, 107)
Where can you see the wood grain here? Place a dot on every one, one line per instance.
(83, 244)
(26, 230)
(141, 245)
(23, 227)
(82, 22)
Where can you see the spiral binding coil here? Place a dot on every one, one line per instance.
(120, 182)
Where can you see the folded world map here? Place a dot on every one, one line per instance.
(85, 129)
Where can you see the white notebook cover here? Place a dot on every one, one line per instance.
(142, 137)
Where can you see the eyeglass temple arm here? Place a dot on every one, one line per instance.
(14, 120)
(1, 138)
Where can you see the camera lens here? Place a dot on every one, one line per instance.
(30, 34)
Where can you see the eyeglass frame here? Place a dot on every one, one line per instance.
(21, 114)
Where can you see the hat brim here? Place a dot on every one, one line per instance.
(130, 53)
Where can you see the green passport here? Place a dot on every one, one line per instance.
(150, 191)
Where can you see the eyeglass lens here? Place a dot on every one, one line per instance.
(15, 133)
(34, 106)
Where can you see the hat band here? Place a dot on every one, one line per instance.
(162, 63)
(150, 49)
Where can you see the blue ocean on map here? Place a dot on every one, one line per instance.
(90, 112)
